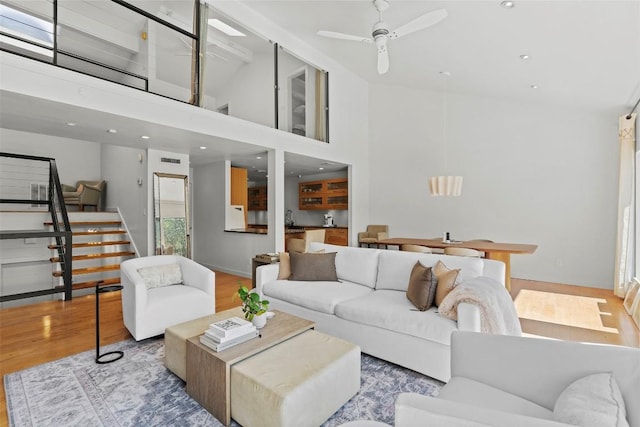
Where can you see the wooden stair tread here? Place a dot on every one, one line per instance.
(84, 223)
(89, 270)
(86, 257)
(90, 244)
(98, 232)
(93, 283)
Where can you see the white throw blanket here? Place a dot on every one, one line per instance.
(497, 311)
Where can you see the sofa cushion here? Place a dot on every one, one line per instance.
(357, 265)
(394, 267)
(161, 275)
(284, 266)
(313, 267)
(592, 401)
(392, 310)
(446, 281)
(317, 296)
(471, 392)
(421, 290)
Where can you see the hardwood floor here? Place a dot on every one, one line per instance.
(34, 334)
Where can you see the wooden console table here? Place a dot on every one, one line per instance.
(497, 251)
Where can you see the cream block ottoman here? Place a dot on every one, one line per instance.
(175, 339)
(300, 382)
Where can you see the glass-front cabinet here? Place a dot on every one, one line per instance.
(324, 195)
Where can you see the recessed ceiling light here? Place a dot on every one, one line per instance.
(225, 28)
(145, 137)
(112, 131)
(203, 148)
(72, 124)
(445, 73)
(524, 57)
(534, 86)
(507, 4)
(321, 169)
(258, 157)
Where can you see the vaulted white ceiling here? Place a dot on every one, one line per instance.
(582, 53)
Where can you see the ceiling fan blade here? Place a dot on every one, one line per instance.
(383, 59)
(342, 36)
(420, 23)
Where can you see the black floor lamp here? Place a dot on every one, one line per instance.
(113, 355)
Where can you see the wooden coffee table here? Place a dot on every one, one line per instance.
(209, 372)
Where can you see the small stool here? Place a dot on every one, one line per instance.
(300, 382)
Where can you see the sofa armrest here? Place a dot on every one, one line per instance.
(362, 234)
(382, 235)
(89, 196)
(539, 369)
(416, 410)
(68, 188)
(468, 317)
(265, 274)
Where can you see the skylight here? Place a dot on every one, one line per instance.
(26, 29)
(225, 28)
(25, 26)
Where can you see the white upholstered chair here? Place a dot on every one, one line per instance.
(506, 381)
(302, 245)
(148, 311)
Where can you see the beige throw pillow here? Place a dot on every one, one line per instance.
(446, 281)
(592, 401)
(313, 267)
(161, 275)
(421, 290)
(284, 270)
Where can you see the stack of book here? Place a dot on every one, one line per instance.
(227, 333)
(269, 257)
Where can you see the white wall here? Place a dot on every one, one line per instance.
(76, 160)
(250, 95)
(212, 246)
(532, 174)
(122, 167)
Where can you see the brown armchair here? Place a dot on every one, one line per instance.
(85, 193)
(373, 234)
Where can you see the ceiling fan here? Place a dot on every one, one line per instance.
(380, 32)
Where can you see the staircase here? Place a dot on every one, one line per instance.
(100, 244)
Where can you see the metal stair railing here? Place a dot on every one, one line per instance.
(61, 228)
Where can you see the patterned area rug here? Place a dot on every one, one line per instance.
(138, 390)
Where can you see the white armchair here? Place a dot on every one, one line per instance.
(147, 312)
(501, 380)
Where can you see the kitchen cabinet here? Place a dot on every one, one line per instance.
(337, 236)
(324, 195)
(257, 198)
(239, 189)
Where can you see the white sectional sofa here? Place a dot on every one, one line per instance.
(369, 307)
(506, 381)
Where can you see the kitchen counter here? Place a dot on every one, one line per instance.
(249, 230)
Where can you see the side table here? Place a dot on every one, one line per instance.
(257, 262)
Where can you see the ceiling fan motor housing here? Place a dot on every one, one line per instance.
(380, 33)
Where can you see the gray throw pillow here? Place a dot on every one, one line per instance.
(313, 267)
(421, 290)
(161, 275)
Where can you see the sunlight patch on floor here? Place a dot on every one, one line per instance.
(562, 309)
